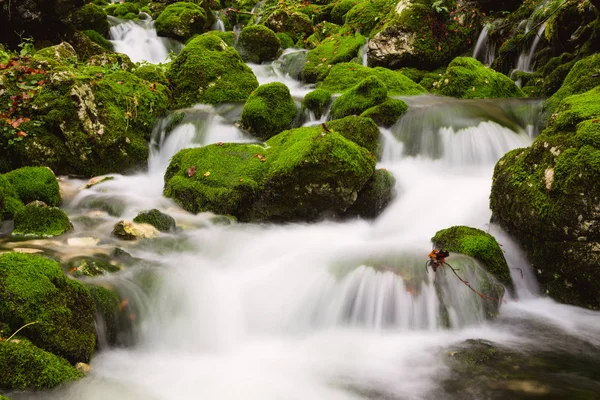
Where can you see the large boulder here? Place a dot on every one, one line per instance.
(368, 93)
(366, 16)
(294, 23)
(301, 174)
(209, 71)
(269, 110)
(467, 78)
(182, 20)
(362, 131)
(257, 44)
(547, 197)
(35, 183)
(90, 16)
(80, 120)
(34, 289)
(423, 36)
(10, 202)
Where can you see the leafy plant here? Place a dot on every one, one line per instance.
(27, 47)
(439, 7)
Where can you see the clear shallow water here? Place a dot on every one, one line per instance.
(297, 311)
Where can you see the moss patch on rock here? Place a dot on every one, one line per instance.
(477, 244)
(286, 20)
(257, 44)
(151, 73)
(37, 219)
(387, 113)
(317, 101)
(354, 101)
(90, 16)
(362, 131)
(269, 110)
(209, 71)
(34, 288)
(182, 20)
(161, 221)
(27, 367)
(10, 202)
(35, 183)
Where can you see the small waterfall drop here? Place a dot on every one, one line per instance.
(484, 50)
(363, 54)
(218, 25)
(525, 61)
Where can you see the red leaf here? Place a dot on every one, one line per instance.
(191, 171)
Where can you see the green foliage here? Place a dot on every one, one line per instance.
(208, 71)
(467, 78)
(477, 244)
(27, 47)
(387, 113)
(182, 20)
(258, 44)
(368, 93)
(34, 288)
(26, 367)
(338, 48)
(41, 220)
(317, 101)
(35, 183)
(269, 110)
(161, 221)
(362, 131)
(345, 75)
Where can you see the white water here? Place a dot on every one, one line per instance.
(525, 61)
(218, 25)
(484, 50)
(138, 39)
(261, 311)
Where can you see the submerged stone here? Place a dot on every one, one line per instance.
(374, 197)
(161, 221)
(128, 230)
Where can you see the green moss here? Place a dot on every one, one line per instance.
(477, 244)
(345, 75)
(107, 304)
(35, 183)
(26, 367)
(368, 93)
(90, 266)
(257, 44)
(34, 288)
(161, 221)
(269, 110)
(126, 10)
(209, 71)
(10, 202)
(317, 101)
(341, 8)
(182, 20)
(467, 78)
(228, 37)
(387, 113)
(40, 220)
(295, 24)
(151, 73)
(377, 193)
(61, 53)
(285, 40)
(368, 15)
(362, 131)
(98, 39)
(90, 16)
(318, 172)
(338, 48)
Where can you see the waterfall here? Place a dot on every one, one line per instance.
(363, 54)
(218, 25)
(484, 50)
(525, 61)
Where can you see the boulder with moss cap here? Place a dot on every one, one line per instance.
(257, 44)
(269, 110)
(37, 219)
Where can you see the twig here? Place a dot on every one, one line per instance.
(17, 331)
(483, 296)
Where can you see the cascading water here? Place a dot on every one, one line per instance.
(484, 50)
(138, 39)
(525, 61)
(218, 25)
(332, 310)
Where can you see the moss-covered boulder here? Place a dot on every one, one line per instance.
(387, 113)
(374, 197)
(37, 219)
(182, 20)
(90, 266)
(27, 367)
(301, 174)
(125, 10)
(107, 305)
(477, 244)
(90, 16)
(80, 120)
(257, 44)
(467, 78)
(362, 131)
(60, 53)
(317, 101)
(354, 101)
(269, 110)
(209, 71)
(34, 288)
(345, 75)
(367, 16)
(423, 35)
(151, 73)
(98, 39)
(546, 196)
(128, 230)
(35, 183)
(161, 221)
(294, 23)
(10, 202)
(337, 48)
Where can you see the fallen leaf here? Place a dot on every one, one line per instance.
(207, 173)
(191, 171)
(21, 134)
(123, 304)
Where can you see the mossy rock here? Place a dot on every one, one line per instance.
(98, 39)
(60, 53)
(477, 244)
(126, 10)
(367, 16)
(35, 183)
(90, 16)
(387, 113)
(90, 266)
(467, 78)
(300, 175)
(37, 219)
(285, 40)
(27, 367)
(10, 202)
(269, 110)
(182, 20)
(295, 24)
(209, 71)
(340, 9)
(228, 37)
(362, 131)
(317, 101)
(34, 288)
(107, 304)
(161, 221)
(128, 230)
(151, 73)
(354, 101)
(345, 75)
(338, 48)
(374, 197)
(257, 44)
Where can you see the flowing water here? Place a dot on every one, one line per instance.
(484, 51)
(328, 310)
